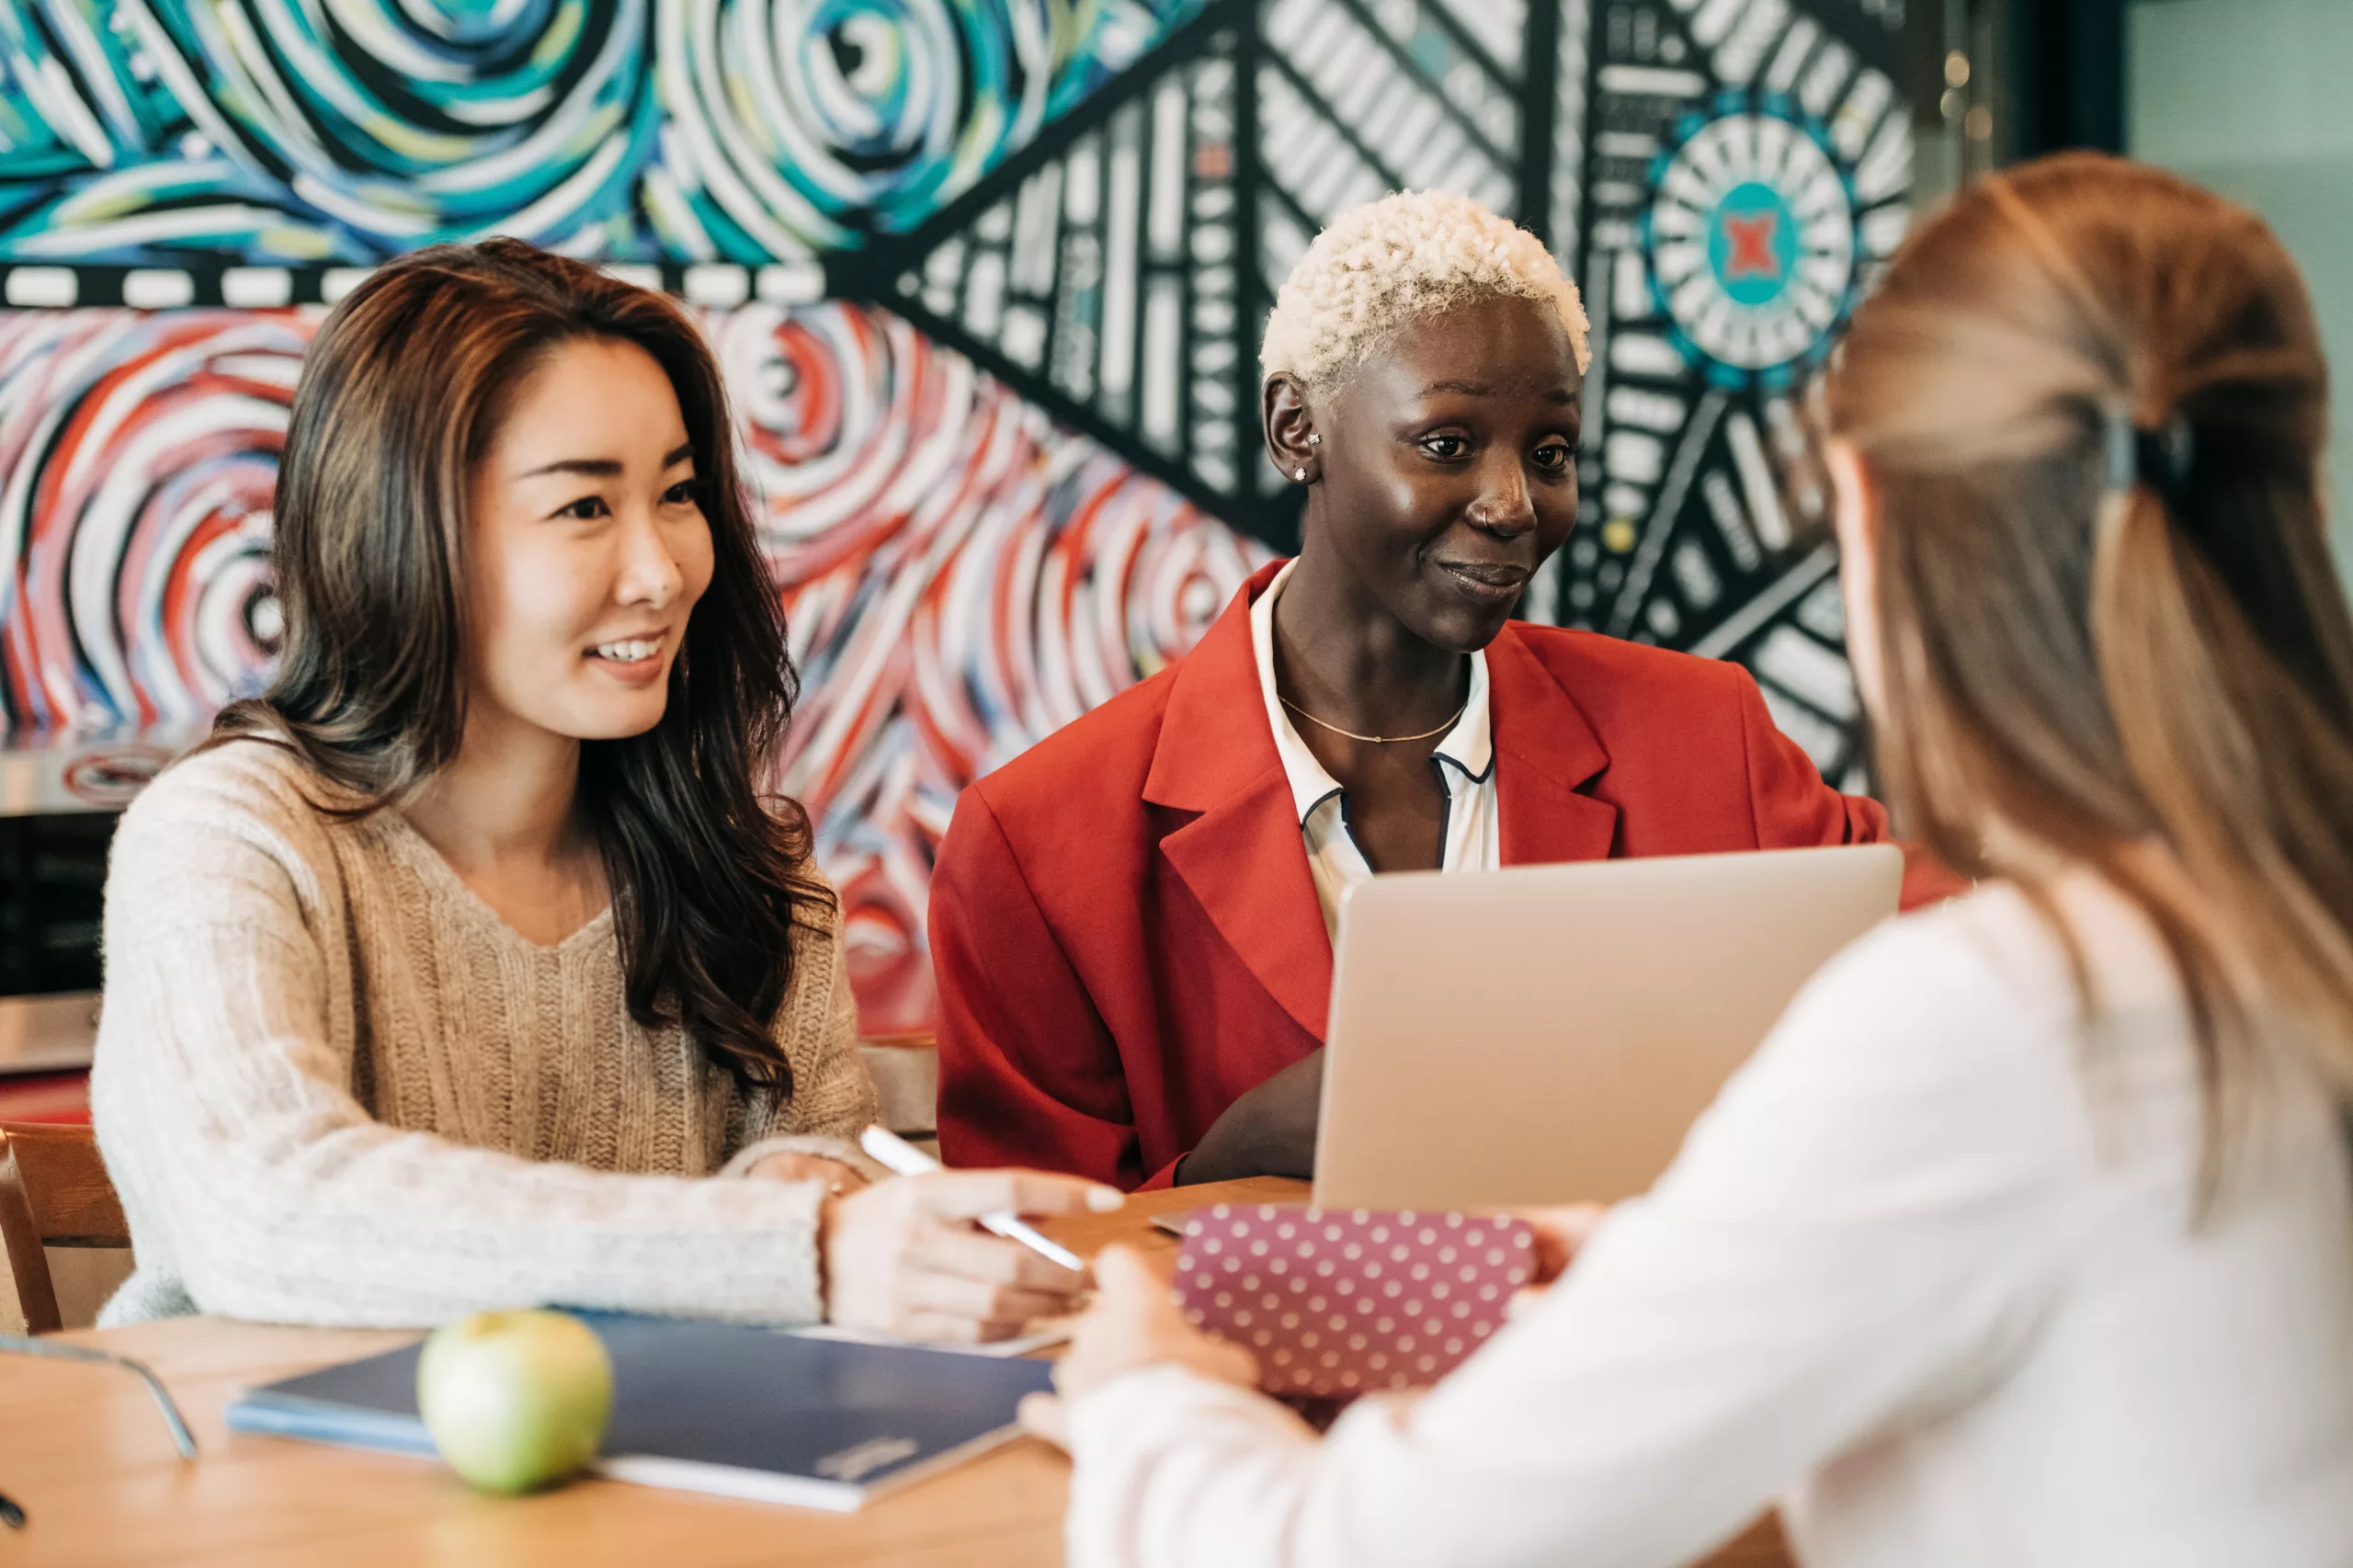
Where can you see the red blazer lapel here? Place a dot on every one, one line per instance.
(1244, 861)
(1545, 748)
(1242, 856)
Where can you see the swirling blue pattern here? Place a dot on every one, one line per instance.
(334, 130)
(303, 131)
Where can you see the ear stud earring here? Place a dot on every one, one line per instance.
(1300, 474)
(1315, 440)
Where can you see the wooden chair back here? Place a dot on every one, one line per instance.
(906, 1070)
(53, 1192)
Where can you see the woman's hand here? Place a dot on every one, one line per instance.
(1561, 1235)
(902, 1258)
(1270, 1130)
(840, 1179)
(1133, 1324)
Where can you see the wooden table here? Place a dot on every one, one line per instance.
(84, 1450)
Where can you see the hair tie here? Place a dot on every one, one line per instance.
(2158, 458)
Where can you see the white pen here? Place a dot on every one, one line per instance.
(897, 1155)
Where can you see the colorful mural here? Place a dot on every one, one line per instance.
(961, 578)
(987, 278)
(138, 453)
(745, 131)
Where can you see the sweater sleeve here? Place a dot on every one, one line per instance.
(1870, 1221)
(253, 1175)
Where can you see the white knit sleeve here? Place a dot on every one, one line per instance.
(252, 1173)
(1871, 1218)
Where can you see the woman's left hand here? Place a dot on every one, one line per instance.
(1560, 1233)
(840, 1179)
(1133, 1324)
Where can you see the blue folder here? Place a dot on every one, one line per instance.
(713, 1407)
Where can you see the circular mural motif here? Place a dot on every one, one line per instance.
(392, 123)
(140, 455)
(1752, 242)
(798, 123)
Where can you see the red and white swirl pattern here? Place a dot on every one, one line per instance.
(961, 578)
(137, 458)
(961, 575)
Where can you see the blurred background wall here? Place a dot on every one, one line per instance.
(2249, 96)
(2246, 96)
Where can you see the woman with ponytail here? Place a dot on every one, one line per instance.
(2027, 1237)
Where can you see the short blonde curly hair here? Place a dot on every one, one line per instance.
(1389, 262)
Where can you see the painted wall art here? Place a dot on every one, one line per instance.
(307, 131)
(987, 277)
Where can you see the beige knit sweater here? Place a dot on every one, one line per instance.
(333, 1087)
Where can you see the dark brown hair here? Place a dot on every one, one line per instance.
(401, 395)
(2091, 400)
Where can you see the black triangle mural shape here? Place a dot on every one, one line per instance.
(1120, 271)
(1099, 273)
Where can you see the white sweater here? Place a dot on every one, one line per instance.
(1927, 1274)
(333, 1087)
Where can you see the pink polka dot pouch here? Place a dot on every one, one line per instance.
(1338, 1302)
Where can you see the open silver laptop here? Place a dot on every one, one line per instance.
(1547, 1034)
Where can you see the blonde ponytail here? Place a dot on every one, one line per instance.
(2092, 399)
(2250, 780)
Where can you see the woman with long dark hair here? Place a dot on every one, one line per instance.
(2027, 1237)
(452, 970)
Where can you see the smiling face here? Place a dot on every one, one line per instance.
(1447, 468)
(587, 550)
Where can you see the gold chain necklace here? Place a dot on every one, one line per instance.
(1376, 739)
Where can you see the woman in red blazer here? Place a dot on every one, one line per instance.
(1130, 922)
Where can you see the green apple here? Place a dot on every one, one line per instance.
(514, 1401)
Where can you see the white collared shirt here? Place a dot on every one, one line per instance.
(1465, 761)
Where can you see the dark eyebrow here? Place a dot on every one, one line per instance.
(606, 468)
(1475, 388)
(594, 468)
